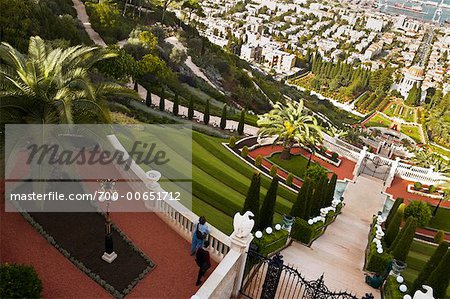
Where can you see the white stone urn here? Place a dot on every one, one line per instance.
(153, 177)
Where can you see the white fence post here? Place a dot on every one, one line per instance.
(362, 155)
(392, 172)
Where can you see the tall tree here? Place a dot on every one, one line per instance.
(223, 119)
(268, 206)
(162, 101)
(330, 191)
(319, 193)
(206, 113)
(148, 98)
(175, 105)
(431, 264)
(251, 202)
(241, 124)
(394, 226)
(47, 85)
(191, 108)
(289, 124)
(401, 247)
(440, 277)
(414, 95)
(393, 210)
(301, 203)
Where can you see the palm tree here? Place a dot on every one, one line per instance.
(48, 85)
(291, 125)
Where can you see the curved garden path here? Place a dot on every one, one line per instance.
(339, 253)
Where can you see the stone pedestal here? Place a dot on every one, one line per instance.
(109, 257)
(240, 245)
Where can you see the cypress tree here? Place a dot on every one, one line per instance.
(148, 99)
(223, 119)
(394, 226)
(268, 206)
(401, 249)
(431, 264)
(300, 205)
(330, 191)
(440, 277)
(393, 210)
(319, 190)
(175, 105)
(136, 87)
(241, 124)
(309, 201)
(206, 114)
(191, 108)
(252, 200)
(162, 105)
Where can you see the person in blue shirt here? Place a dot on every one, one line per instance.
(201, 231)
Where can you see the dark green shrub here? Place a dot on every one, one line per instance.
(305, 233)
(440, 277)
(431, 189)
(401, 248)
(299, 208)
(273, 170)
(393, 210)
(316, 172)
(244, 151)
(258, 161)
(271, 243)
(431, 264)
(329, 194)
(439, 237)
(268, 206)
(19, 281)
(206, 113)
(334, 156)
(241, 124)
(394, 226)
(419, 210)
(232, 142)
(162, 104)
(191, 109)
(223, 119)
(377, 262)
(252, 200)
(176, 104)
(289, 179)
(148, 99)
(417, 186)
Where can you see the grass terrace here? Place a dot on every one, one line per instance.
(413, 132)
(401, 111)
(220, 179)
(378, 120)
(441, 220)
(296, 165)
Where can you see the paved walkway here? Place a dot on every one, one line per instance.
(84, 18)
(339, 253)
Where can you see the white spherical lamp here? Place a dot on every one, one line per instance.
(380, 250)
(400, 279)
(403, 288)
(269, 230)
(278, 226)
(407, 296)
(310, 222)
(258, 234)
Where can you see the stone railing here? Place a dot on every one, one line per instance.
(171, 211)
(342, 150)
(419, 174)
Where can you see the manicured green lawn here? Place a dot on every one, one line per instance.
(378, 121)
(441, 220)
(412, 131)
(296, 165)
(220, 180)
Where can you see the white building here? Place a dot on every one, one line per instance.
(413, 75)
(374, 24)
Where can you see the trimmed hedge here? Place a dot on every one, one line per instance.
(305, 233)
(271, 243)
(19, 281)
(377, 262)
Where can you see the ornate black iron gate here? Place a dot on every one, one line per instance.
(269, 279)
(376, 167)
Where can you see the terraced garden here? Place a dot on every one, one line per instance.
(378, 120)
(418, 255)
(296, 165)
(220, 180)
(401, 111)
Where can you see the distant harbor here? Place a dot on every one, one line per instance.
(437, 11)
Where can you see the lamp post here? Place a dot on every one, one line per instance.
(108, 189)
(446, 195)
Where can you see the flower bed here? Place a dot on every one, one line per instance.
(329, 156)
(307, 232)
(425, 191)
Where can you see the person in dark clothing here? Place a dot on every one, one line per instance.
(203, 261)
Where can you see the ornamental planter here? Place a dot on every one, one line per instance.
(437, 194)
